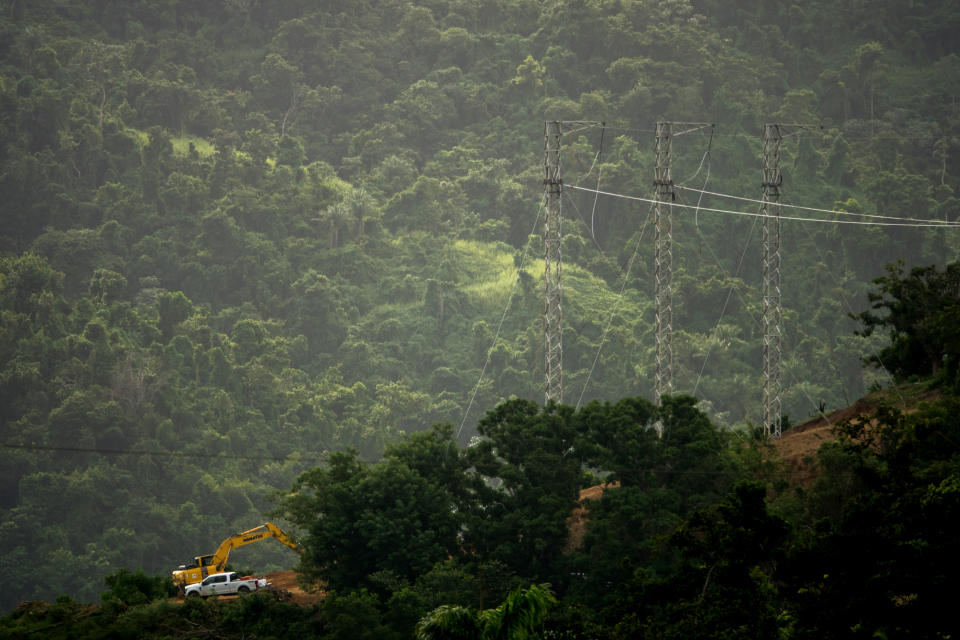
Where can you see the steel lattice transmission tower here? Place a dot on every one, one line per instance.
(663, 261)
(553, 313)
(772, 310)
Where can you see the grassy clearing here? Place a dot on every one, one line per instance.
(488, 274)
(476, 258)
(181, 146)
(488, 271)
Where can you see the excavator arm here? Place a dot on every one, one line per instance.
(265, 530)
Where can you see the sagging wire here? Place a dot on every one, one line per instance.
(726, 302)
(596, 196)
(503, 316)
(613, 312)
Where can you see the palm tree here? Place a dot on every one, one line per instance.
(362, 205)
(338, 215)
(517, 617)
(449, 622)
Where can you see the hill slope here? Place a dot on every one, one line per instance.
(238, 236)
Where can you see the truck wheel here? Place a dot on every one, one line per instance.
(243, 589)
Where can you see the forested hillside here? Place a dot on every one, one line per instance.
(238, 236)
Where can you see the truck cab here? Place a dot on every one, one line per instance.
(217, 583)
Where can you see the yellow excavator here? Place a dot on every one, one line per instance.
(216, 562)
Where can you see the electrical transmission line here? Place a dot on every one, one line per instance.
(663, 202)
(321, 455)
(787, 205)
(913, 222)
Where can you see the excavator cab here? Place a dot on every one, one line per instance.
(196, 563)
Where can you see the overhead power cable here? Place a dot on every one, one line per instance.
(944, 223)
(834, 131)
(916, 223)
(166, 454)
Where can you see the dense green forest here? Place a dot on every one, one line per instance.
(245, 241)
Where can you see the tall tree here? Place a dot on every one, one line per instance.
(920, 311)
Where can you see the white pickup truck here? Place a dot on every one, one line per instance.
(220, 584)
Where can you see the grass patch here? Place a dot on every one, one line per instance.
(488, 274)
(488, 271)
(181, 146)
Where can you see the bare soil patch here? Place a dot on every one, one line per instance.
(798, 446)
(577, 522)
(286, 583)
